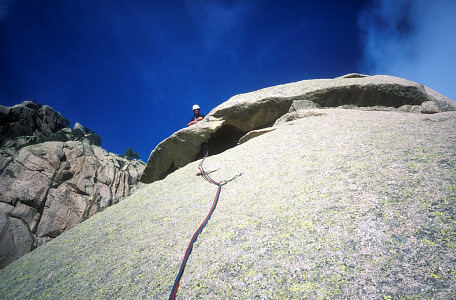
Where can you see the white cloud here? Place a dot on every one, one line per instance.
(412, 39)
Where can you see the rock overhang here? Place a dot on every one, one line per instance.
(228, 122)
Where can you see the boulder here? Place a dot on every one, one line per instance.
(23, 119)
(48, 188)
(227, 123)
(48, 120)
(4, 114)
(78, 126)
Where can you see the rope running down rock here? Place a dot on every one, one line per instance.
(173, 293)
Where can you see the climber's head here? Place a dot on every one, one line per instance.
(196, 109)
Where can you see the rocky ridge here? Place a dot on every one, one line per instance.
(26, 122)
(47, 188)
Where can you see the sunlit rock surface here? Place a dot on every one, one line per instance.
(228, 122)
(336, 204)
(47, 188)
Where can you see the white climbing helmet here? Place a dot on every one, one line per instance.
(195, 107)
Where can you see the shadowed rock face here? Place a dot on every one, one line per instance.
(28, 119)
(256, 110)
(337, 204)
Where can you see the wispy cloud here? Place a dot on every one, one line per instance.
(415, 40)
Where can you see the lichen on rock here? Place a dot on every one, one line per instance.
(259, 109)
(351, 204)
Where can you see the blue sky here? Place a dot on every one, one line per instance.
(131, 70)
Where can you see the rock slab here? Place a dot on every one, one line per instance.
(342, 204)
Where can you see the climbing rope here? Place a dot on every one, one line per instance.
(172, 296)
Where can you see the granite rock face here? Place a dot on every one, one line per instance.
(339, 204)
(48, 188)
(227, 123)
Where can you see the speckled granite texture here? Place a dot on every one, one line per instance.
(344, 204)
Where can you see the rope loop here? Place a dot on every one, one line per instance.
(223, 182)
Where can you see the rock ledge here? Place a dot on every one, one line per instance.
(233, 119)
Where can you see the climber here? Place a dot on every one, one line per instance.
(197, 115)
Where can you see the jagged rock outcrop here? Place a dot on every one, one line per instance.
(25, 122)
(227, 123)
(30, 123)
(339, 204)
(47, 188)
